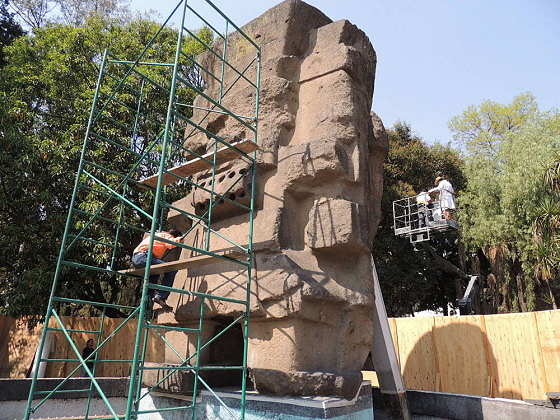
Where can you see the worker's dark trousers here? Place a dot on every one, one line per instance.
(140, 259)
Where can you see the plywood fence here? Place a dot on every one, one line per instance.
(18, 346)
(510, 356)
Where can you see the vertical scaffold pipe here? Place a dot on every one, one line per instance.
(224, 58)
(250, 245)
(141, 369)
(198, 355)
(162, 163)
(98, 341)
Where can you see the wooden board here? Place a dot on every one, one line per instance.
(516, 356)
(522, 351)
(61, 350)
(417, 352)
(6, 324)
(548, 324)
(184, 263)
(370, 375)
(394, 336)
(21, 344)
(223, 155)
(458, 342)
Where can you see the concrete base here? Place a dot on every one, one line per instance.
(14, 392)
(261, 407)
(258, 407)
(423, 405)
(471, 407)
(71, 408)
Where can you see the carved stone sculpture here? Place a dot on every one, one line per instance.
(319, 184)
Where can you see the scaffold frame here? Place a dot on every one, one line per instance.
(155, 164)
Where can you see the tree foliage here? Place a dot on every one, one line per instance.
(9, 29)
(37, 13)
(481, 129)
(46, 91)
(510, 207)
(410, 280)
(76, 12)
(33, 12)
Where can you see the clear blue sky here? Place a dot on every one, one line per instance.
(436, 57)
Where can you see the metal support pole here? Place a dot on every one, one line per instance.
(137, 116)
(224, 58)
(99, 337)
(248, 296)
(211, 200)
(199, 355)
(163, 160)
(251, 252)
(384, 357)
(118, 231)
(141, 368)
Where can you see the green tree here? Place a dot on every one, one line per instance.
(46, 91)
(9, 29)
(410, 280)
(545, 230)
(37, 13)
(33, 13)
(510, 208)
(481, 129)
(76, 12)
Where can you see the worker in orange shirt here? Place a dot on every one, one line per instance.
(140, 259)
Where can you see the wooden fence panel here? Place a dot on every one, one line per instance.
(6, 324)
(461, 359)
(120, 347)
(548, 324)
(511, 356)
(80, 340)
(19, 344)
(518, 367)
(394, 336)
(417, 352)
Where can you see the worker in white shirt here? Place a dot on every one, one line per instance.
(446, 196)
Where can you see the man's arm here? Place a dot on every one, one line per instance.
(169, 237)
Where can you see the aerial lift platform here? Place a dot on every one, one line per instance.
(418, 218)
(421, 220)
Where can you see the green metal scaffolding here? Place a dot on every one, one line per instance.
(143, 110)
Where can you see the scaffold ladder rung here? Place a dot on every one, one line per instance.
(60, 391)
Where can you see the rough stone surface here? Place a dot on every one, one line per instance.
(319, 185)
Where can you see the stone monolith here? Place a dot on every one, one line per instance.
(319, 185)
